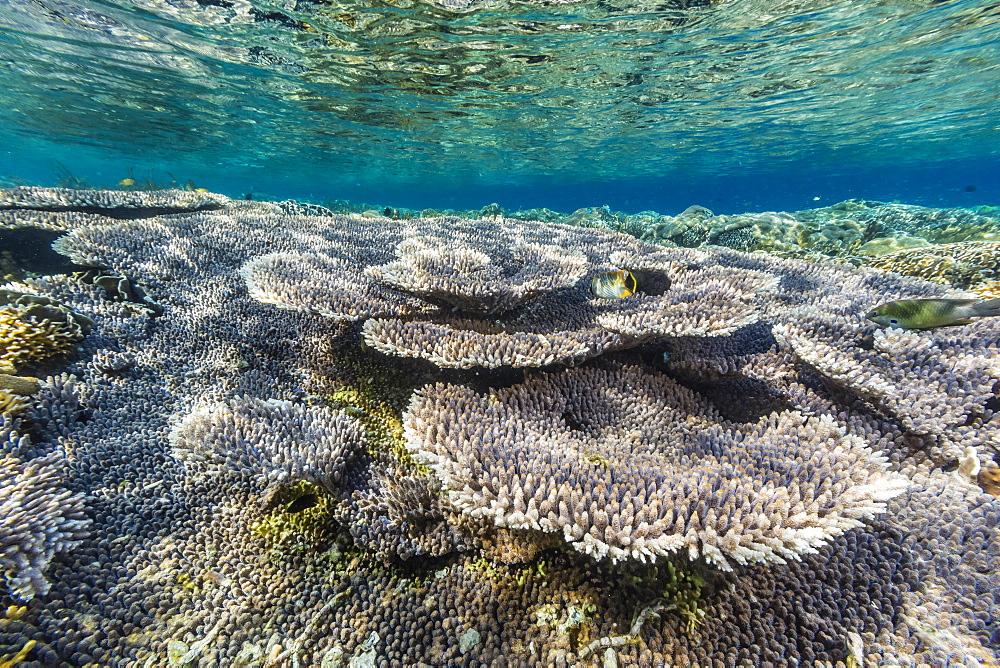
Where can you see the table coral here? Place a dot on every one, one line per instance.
(519, 297)
(671, 475)
(278, 441)
(116, 203)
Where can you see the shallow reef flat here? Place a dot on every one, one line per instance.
(259, 434)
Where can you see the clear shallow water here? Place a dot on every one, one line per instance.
(737, 106)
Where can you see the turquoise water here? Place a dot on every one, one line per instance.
(639, 105)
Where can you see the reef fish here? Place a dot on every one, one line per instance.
(929, 313)
(625, 283)
(613, 284)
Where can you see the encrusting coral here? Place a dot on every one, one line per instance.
(243, 514)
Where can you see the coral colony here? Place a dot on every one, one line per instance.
(256, 434)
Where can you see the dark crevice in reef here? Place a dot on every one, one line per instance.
(743, 400)
(125, 212)
(30, 252)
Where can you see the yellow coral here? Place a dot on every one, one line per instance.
(990, 290)
(961, 265)
(13, 390)
(25, 339)
(11, 661)
(11, 403)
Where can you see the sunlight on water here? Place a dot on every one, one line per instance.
(469, 90)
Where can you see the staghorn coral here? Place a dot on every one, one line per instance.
(644, 473)
(38, 518)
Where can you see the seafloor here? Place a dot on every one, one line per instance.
(269, 434)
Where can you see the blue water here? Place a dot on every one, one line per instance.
(743, 106)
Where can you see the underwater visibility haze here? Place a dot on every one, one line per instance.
(378, 333)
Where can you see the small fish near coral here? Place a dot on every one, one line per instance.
(930, 313)
(625, 283)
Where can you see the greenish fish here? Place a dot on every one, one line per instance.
(929, 313)
(625, 283)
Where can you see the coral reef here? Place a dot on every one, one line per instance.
(249, 504)
(506, 303)
(518, 297)
(851, 229)
(770, 231)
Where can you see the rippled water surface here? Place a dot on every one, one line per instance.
(434, 94)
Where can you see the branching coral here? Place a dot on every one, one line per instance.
(671, 476)
(402, 516)
(470, 280)
(276, 440)
(907, 374)
(38, 518)
(961, 265)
